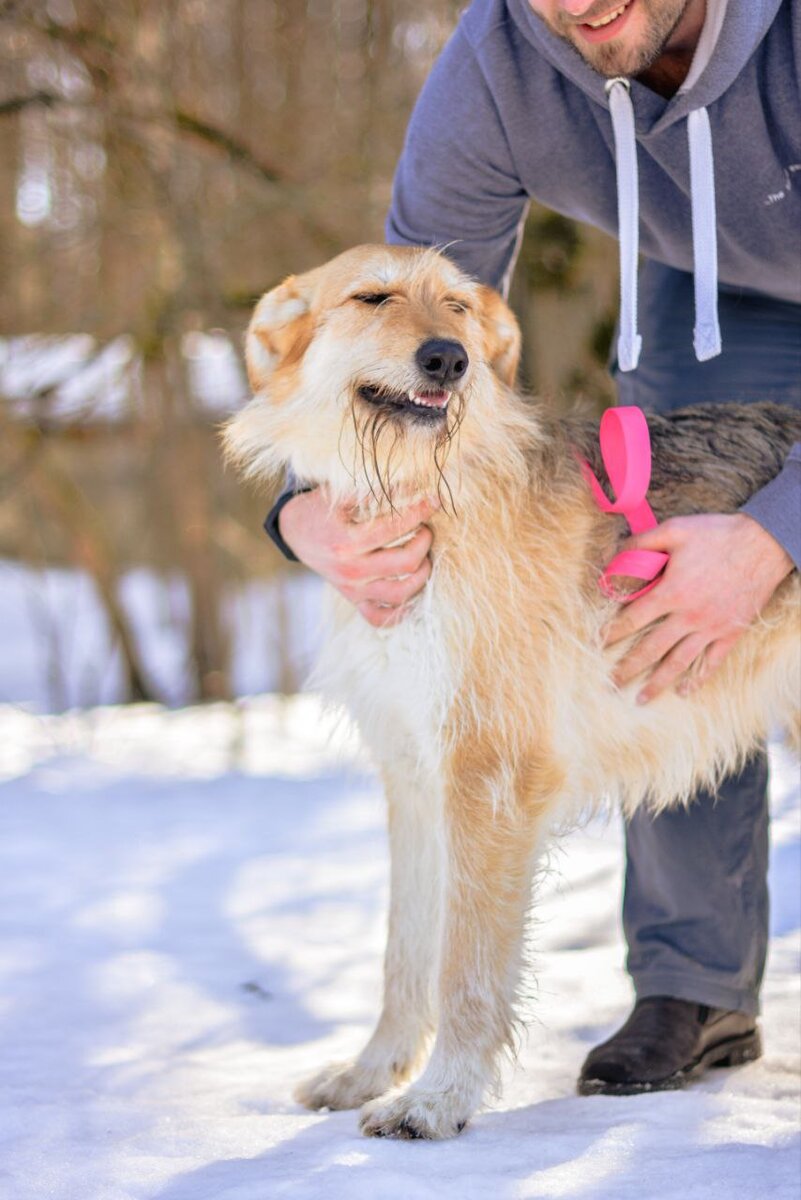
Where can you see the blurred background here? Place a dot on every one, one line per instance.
(161, 165)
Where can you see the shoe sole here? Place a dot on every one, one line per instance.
(734, 1052)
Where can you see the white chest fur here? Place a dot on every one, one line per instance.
(397, 683)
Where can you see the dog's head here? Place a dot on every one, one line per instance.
(365, 368)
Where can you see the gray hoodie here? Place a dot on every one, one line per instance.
(511, 112)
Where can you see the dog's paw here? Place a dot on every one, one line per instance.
(344, 1085)
(415, 1113)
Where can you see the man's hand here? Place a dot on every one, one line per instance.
(723, 570)
(353, 555)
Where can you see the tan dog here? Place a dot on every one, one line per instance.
(387, 375)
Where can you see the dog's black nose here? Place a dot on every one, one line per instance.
(441, 360)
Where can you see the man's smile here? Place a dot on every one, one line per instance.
(609, 25)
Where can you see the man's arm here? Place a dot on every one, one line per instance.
(456, 185)
(777, 507)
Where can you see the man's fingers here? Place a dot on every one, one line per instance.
(390, 591)
(388, 564)
(380, 616)
(712, 658)
(672, 666)
(662, 537)
(637, 615)
(353, 574)
(378, 532)
(651, 649)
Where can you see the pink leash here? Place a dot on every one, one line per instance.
(626, 452)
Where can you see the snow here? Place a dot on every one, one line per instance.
(72, 379)
(193, 907)
(57, 650)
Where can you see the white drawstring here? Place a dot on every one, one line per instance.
(628, 216)
(706, 337)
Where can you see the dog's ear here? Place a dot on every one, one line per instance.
(280, 328)
(502, 335)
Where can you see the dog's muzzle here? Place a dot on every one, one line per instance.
(443, 364)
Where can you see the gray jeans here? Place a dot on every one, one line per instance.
(695, 908)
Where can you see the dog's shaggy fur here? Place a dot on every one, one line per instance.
(490, 707)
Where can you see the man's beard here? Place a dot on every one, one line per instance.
(659, 19)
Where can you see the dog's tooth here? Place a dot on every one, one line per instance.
(423, 401)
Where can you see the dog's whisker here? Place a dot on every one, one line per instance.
(352, 470)
(362, 441)
(377, 431)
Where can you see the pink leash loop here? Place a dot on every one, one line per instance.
(626, 452)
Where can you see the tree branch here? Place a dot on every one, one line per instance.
(17, 103)
(240, 154)
(221, 140)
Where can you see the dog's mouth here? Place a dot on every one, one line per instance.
(425, 404)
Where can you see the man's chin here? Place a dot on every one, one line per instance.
(646, 36)
(626, 55)
(610, 60)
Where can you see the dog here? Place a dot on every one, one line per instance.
(388, 375)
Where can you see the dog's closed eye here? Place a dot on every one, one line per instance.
(372, 297)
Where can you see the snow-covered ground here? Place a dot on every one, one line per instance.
(193, 915)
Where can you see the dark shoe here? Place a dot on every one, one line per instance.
(664, 1044)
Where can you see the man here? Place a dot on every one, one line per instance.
(687, 111)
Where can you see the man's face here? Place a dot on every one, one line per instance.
(626, 44)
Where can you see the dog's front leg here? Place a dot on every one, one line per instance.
(407, 1017)
(492, 825)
